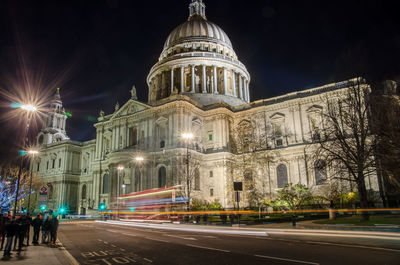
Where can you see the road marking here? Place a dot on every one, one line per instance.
(354, 246)
(216, 249)
(182, 237)
(105, 242)
(210, 236)
(164, 241)
(122, 249)
(99, 240)
(113, 245)
(147, 260)
(333, 235)
(66, 253)
(291, 260)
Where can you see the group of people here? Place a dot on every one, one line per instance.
(17, 230)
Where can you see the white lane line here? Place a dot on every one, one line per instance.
(147, 260)
(99, 240)
(354, 246)
(114, 246)
(159, 240)
(216, 249)
(105, 242)
(122, 249)
(291, 260)
(333, 235)
(182, 237)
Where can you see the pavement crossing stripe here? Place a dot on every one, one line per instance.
(291, 260)
(216, 249)
(182, 237)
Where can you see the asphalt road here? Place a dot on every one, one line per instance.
(96, 243)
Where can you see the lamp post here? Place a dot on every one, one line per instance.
(29, 109)
(139, 160)
(31, 153)
(187, 137)
(120, 169)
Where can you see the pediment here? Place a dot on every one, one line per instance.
(315, 108)
(129, 108)
(161, 120)
(277, 116)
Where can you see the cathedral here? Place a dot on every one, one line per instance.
(198, 88)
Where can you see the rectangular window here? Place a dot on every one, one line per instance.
(47, 167)
(38, 167)
(211, 173)
(210, 136)
(59, 162)
(54, 163)
(211, 192)
(132, 136)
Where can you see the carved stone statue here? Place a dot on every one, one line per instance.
(117, 106)
(101, 113)
(133, 93)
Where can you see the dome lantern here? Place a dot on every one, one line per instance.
(197, 7)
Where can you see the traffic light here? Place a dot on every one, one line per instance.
(132, 209)
(102, 206)
(63, 210)
(43, 207)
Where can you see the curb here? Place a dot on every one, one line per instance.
(71, 259)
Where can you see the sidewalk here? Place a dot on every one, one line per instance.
(40, 254)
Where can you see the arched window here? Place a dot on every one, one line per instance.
(162, 177)
(162, 144)
(84, 192)
(282, 176)
(197, 179)
(105, 183)
(320, 172)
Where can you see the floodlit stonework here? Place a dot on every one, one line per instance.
(198, 86)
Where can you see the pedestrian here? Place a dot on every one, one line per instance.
(46, 230)
(36, 223)
(28, 228)
(53, 229)
(11, 229)
(3, 221)
(21, 231)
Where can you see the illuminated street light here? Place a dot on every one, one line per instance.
(120, 169)
(28, 107)
(31, 153)
(139, 159)
(187, 136)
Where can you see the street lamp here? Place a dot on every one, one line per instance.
(29, 109)
(120, 169)
(31, 153)
(187, 137)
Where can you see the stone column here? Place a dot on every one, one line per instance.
(172, 80)
(193, 83)
(244, 89)
(234, 83)
(182, 84)
(247, 91)
(204, 79)
(215, 80)
(225, 82)
(240, 87)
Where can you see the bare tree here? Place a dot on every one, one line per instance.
(344, 138)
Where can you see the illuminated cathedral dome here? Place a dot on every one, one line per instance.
(198, 60)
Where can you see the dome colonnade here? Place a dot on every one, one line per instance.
(198, 60)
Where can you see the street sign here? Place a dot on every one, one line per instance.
(237, 196)
(237, 186)
(43, 189)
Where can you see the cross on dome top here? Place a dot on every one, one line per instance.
(197, 7)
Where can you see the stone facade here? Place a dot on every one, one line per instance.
(198, 86)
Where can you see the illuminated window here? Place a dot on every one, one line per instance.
(132, 136)
(282, 176)
(320, 172)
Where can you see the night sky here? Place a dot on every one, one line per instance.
(96, 50)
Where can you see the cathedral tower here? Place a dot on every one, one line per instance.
(55, 122)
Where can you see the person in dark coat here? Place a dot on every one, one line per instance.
(4, 219)
(53, 230)
(28, 228)
(21, 232)
(45, 231)
(36, 223)
(11, 230)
